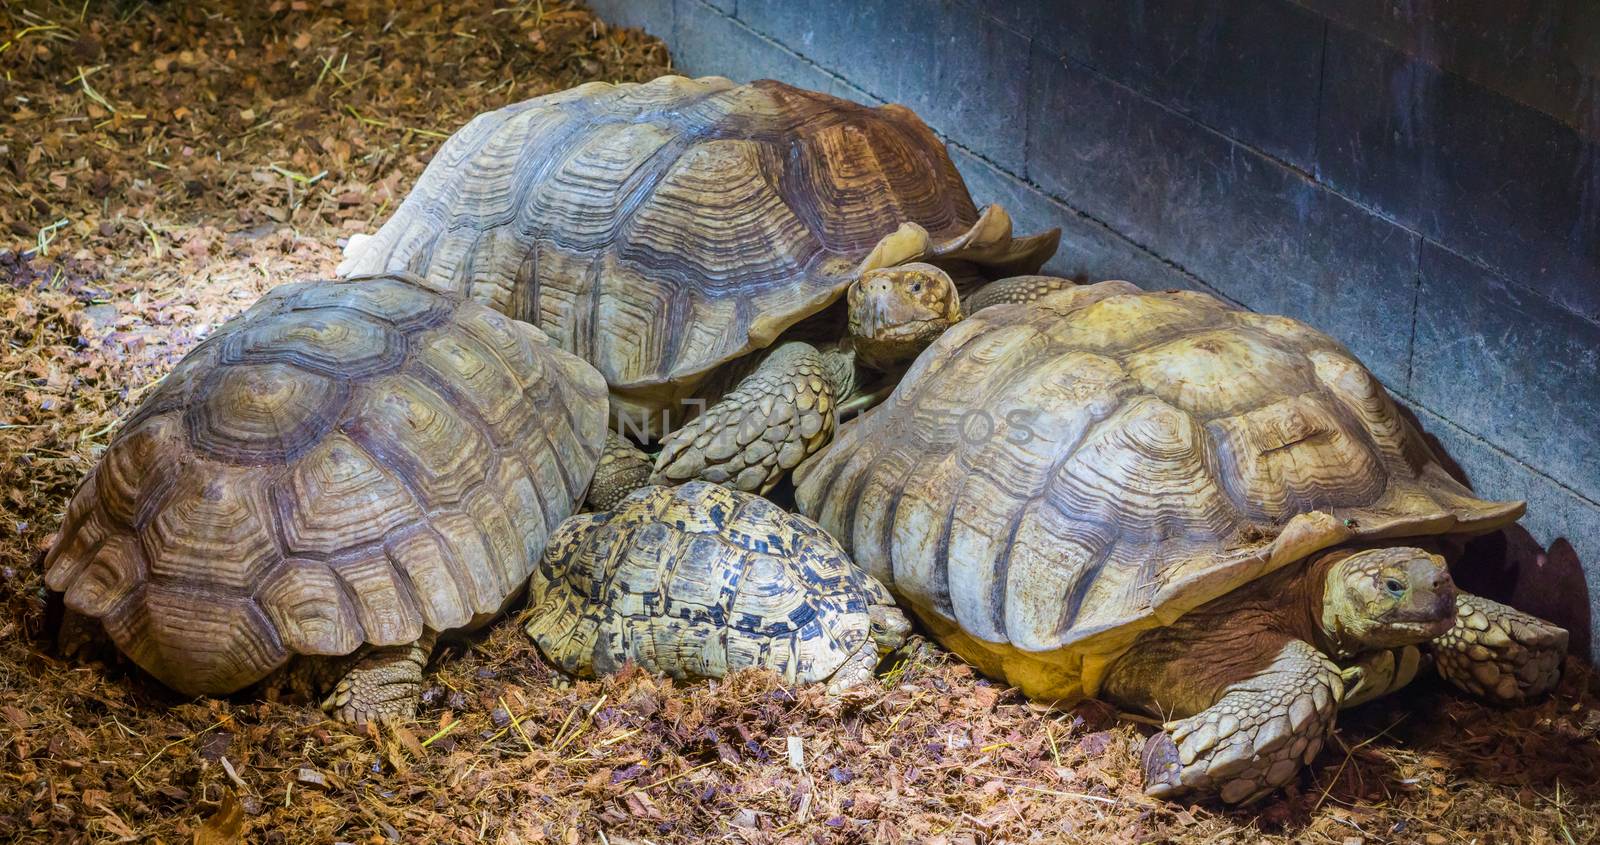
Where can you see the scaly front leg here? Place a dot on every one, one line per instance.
(1499, 652)
(775, 418)
(384, 681)
(1257, 736)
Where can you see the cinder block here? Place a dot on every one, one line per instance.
(963, 72)
(1089, 251)
(1541, 54)
(1248, 68)
(1475, 171)
(1259, 232)
(1509, 366)
(1562, 586)
(706, 42)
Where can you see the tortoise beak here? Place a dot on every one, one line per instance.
(881, 309)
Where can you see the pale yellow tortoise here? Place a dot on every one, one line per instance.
(697, 581)
(692, 238)
(1214, 516)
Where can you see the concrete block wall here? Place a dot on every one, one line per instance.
(1420, 180)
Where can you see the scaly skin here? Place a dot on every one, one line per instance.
(1384, 672)
(1499, 652)
(623, 468)
(890, 627)
(786, 409)
(383, 682)
(1251, 683)
(771, 421)
(1257, 736)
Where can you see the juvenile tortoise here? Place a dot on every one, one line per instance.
(690, 238)
(697, 581)
(1215, 516)
(325, 484)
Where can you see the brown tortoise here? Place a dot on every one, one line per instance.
(325, 484)
(1215, 516)
(688, 237)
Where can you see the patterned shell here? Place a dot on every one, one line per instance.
(344, 463)
(1050, 479)
(660, 230)
(698, 581)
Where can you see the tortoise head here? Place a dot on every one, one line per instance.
(1387, 597)
(895, 312)
(890, 627)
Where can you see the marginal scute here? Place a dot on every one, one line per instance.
(216, 645)
(423, 559)
(382, 599)
(137, 468)
(1178, 450)
(81, 533)
(116, 567)
(263, 509)
(310, 610)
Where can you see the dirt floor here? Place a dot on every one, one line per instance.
(166, 163)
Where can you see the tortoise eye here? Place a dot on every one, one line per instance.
(1394, 587)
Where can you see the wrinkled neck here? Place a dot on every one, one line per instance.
(840, 365)
(1324, 608)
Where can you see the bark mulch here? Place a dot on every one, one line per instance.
(163, 165)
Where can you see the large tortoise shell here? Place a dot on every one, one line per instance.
(660, 230)
(1050, 479)
(697, 581)
(344, 463)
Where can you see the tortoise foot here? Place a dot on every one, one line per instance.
(1500, 653)
(384, 683)
(1255, 739)
(773, 420)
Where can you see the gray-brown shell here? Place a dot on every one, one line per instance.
(660, 230)
(1051, 478)
(344, 463)
(698, 581)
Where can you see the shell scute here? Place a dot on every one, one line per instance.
(263, 413)
(113, 571)
(339, 492)
(418, 432)
(215, 529)
(332, 342)
(310, 611)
